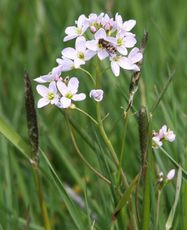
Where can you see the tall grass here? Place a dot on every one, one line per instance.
(76, 198)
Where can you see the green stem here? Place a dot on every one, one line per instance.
(85, 113)
(110, 146)
(82, 157)
(88, 73)
(123, 146)
(174, 162)
(42, 203)
(158, 209)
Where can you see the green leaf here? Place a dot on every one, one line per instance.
(126, 197)
(7, 130)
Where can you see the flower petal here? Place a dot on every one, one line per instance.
(129, 41)
(42, 102)
(128, 25)
(92, 45)
(52, 87)
(89, 54)
(42, 90)
(122, 50)
(102, 54)
(65, 102)
(73, 85)
(101, 33)
(79, 97)
(125, 63)
(135, 55)
(80, 44)
(62, 87)
(115, 68)
(69, 53)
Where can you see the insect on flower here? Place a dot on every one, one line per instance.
(109, 47)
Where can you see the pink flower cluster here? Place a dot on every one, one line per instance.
(164, 134)
(108, 38)
(95, 35)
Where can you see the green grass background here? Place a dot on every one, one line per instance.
(31, 38)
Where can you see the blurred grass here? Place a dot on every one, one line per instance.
(31, 38)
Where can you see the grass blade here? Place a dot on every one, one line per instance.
(178, 188)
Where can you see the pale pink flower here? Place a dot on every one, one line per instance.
(96, 94)
(95, 46)
(124, 41)
(80, 54)
(49, 95)
(69, 92)
(170, 174)
(76, 31)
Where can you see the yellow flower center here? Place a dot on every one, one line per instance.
(81, 55)
(119, 41)
(69, 95)
(50, 96)
(79, 31)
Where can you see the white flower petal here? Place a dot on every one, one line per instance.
(65, 102)
(128, 25)
(42, 90)
(122, 50)
(156, 142)
(115, 68)
(89, 54)
(79, 97)
(101, 33)
(92, 45)
(129, 41)
(69, 37)
(44, 78)
(42, 102)
(80, 44)
(69, 53)
(71, 30)
(102, 54)
(125, 63)
(73, 85)
(52, 87)
(81, 20)
(170, 136)
(78, 62)
(171, 174)
(62, 87)
(135, 55)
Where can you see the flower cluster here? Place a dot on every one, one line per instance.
(163, 180)
(108, 38)
(164, 134)
(95, 35)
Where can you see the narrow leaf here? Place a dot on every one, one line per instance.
(7, 130)
(126, 197)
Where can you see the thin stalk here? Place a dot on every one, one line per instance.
(160, 96)
(174, 162)
(42, 203)
(110, 146)
(83, 159)
(88, 73)
(85, 113)
(158, 209)
(123, 145)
